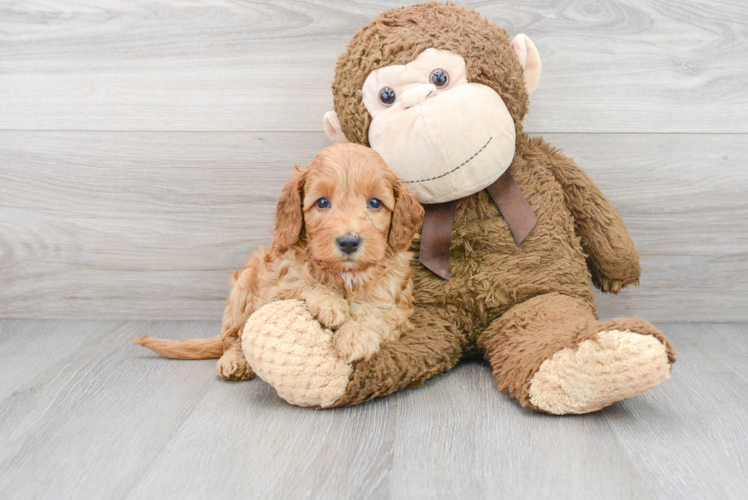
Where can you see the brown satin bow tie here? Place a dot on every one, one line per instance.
(439, 219)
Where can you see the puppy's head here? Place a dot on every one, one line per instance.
(348, 207)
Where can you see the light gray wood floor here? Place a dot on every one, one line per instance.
(85, 414)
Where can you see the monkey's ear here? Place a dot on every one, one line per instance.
(332, 128)
(528, 57)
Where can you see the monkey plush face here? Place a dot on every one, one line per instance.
(439, 92)
(445, 137)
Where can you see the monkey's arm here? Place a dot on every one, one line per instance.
(612, 257)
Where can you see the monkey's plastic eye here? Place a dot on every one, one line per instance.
(323, 203)
(439, 77)
(374, 203)
(387, 96)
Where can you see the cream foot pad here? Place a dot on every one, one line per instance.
(287, 348)
(618, 365)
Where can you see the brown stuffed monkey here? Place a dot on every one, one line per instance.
(513, 235)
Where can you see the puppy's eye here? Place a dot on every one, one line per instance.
(323, 203)
(374, 203)
(439, 77)
(387, 96)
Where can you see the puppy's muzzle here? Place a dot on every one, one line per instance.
(349, 243)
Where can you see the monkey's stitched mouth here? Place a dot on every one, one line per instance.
(454, 169)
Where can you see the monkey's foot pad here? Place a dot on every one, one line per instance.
(614, 366)
(291, 351)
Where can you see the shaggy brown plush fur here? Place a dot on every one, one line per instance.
(517, 305)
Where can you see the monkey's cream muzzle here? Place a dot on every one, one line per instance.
(445, 155)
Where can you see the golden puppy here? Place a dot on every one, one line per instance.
(342, 230)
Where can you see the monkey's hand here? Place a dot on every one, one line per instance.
(611, 285)
(612, 258)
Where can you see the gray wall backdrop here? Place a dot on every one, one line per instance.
(143, 143)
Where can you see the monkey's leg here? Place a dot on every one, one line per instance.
(432, 347)
(288, 349)
(554, 356)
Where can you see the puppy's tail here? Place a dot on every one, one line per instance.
(183, 349)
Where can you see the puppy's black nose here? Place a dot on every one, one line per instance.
(349, 243)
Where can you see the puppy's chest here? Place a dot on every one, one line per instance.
(350, 281)
(355, 288)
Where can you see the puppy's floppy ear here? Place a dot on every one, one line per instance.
(406, 217)
(289, 218)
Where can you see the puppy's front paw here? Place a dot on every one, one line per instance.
(354, 342)
(234, 366)
(330, 313)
